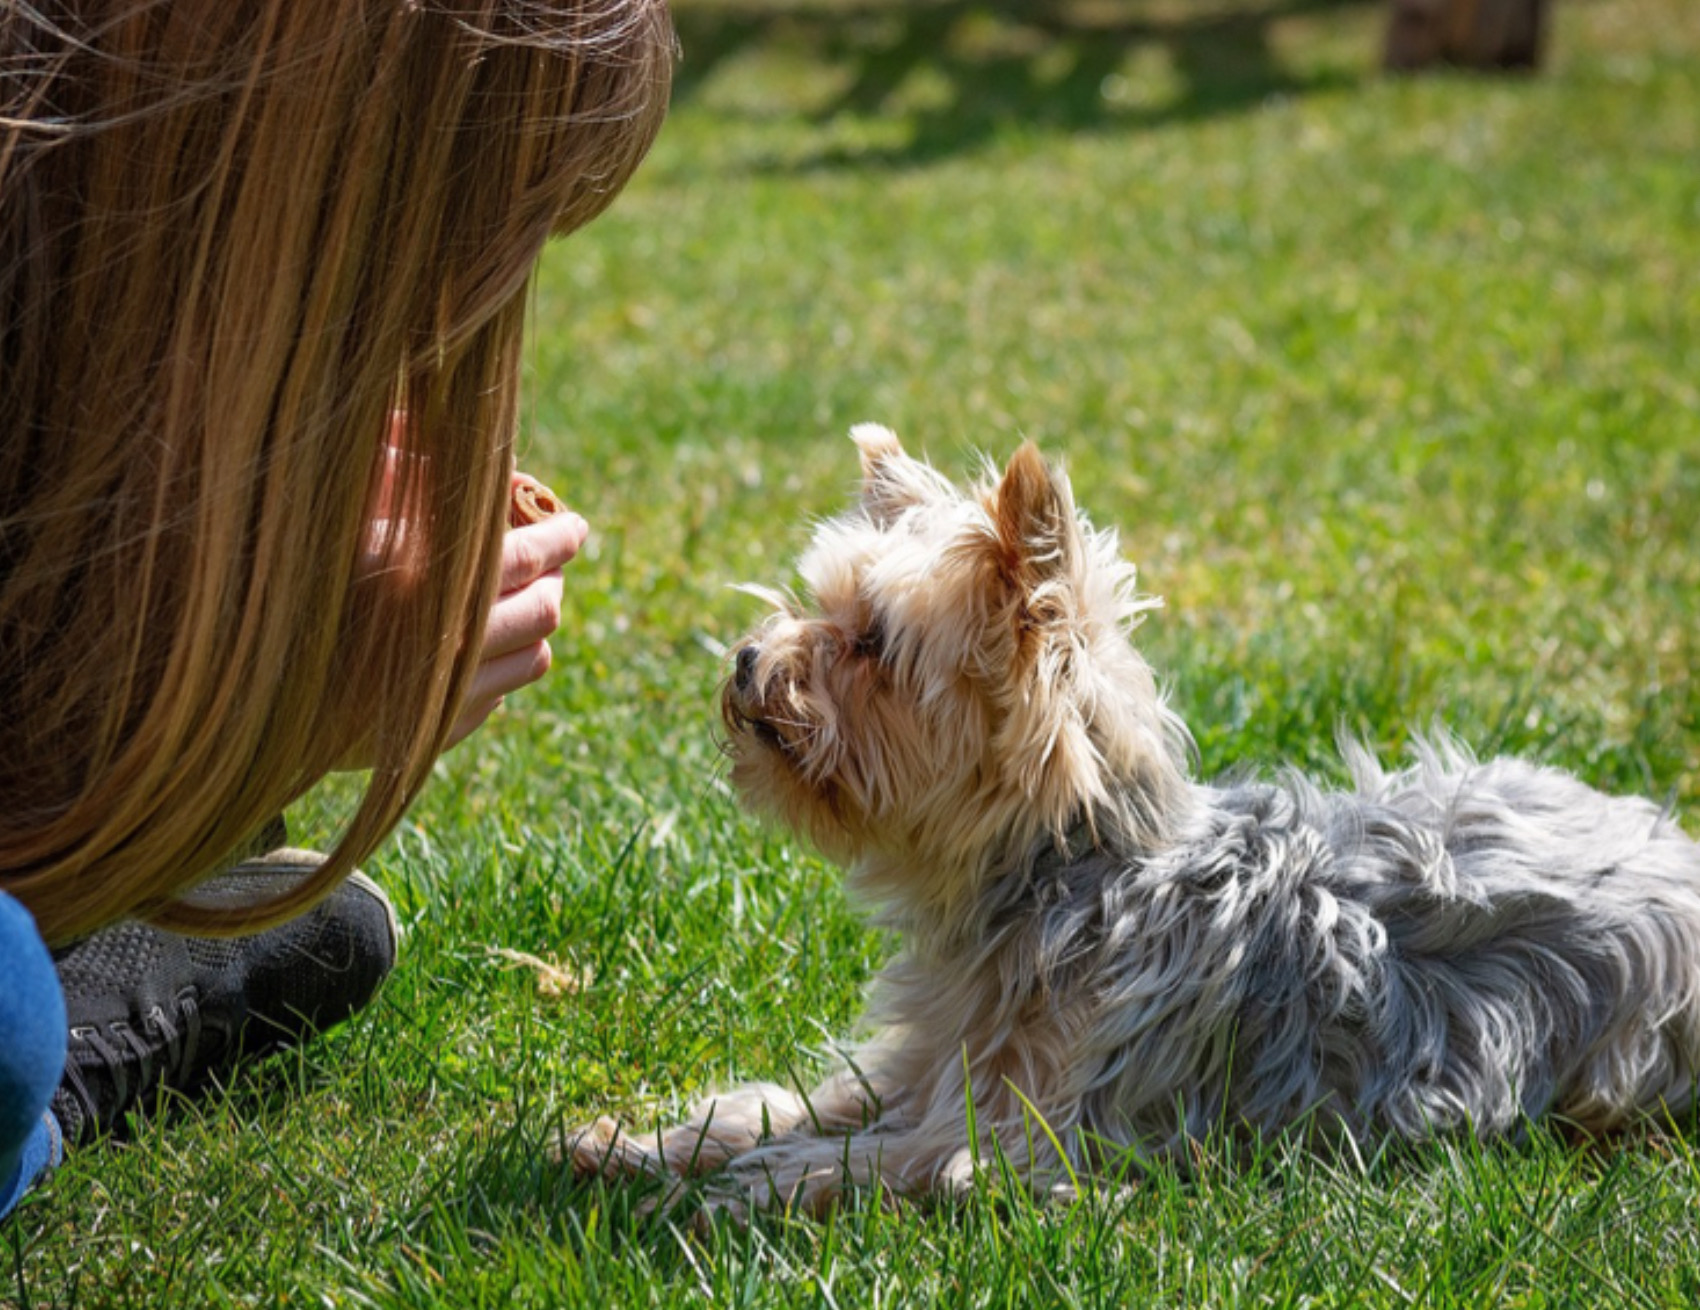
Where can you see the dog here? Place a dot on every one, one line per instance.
(1104, 960)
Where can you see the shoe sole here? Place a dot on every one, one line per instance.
(372, 889)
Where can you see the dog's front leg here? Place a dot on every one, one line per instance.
(722, 1128)
(890, 1157)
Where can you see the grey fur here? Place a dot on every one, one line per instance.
(1456, 947)
(1460, 945)
(1103, 958)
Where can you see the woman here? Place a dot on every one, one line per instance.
(263, 272)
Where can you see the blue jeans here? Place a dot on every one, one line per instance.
(32, 1053)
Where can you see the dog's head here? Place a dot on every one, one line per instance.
(958, 680)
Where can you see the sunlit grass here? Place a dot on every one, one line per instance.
(1393, 389)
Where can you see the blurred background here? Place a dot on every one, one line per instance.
(1389, 378)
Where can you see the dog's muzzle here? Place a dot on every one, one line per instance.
(744, 672)
(742, 701)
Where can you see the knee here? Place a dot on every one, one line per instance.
(32, 1025)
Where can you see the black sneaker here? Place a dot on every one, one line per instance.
(151, 1010)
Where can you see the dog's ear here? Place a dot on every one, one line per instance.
(891, 481)
(1034, 511)
(1045, 739)
(877, 443)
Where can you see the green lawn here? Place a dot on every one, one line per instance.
(1393, 387)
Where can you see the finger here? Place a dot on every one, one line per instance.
(471, 719)
(496, 678)
(530, 552)
(493, 681)
(523, 617)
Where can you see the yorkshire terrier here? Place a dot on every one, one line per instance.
(1105, 961)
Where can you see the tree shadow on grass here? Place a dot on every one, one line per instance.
(993, 65)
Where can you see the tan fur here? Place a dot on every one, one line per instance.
(1103, 960)
(929, 713)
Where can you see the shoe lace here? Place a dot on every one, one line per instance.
(169, 1060)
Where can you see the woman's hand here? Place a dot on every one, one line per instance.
(528, 610)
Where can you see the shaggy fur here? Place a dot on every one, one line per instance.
(1102, 956)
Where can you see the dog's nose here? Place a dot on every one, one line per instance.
(746, 670)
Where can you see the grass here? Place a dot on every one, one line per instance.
(1394, 389)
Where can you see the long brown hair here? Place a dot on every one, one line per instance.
(236, 236)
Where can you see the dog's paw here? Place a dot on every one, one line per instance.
(603, 1150)
(720, 1204)
(808, 1183)
(740, 1195)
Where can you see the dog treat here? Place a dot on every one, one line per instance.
(532, 502)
